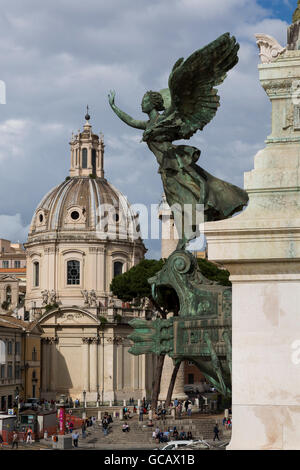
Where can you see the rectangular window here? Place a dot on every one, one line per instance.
(5, 264)
(9, 371)
(18, 371)
(36, 274)
(17, 264)
(34, 355)
(18, 347)
(84, 158)
(73, 272)
(9, 348)
(190, 379)
(2, 371)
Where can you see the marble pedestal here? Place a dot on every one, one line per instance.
(63, 443)
(178, 391)
(261, 249)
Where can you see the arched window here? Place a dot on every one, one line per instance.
(94, 160)
(34, 354)
(2, 352)
(8, 294)
(118, 268)
(73, 272)
(84, 158)
(36, 274)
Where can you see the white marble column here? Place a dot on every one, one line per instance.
(94, 365)
(45, 364)
(53, 342)
(120, 371)
(85, 364)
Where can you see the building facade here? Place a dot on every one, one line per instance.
(12, 276)
(83, 233)
(19, 361)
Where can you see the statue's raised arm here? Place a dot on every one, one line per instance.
(123, 116)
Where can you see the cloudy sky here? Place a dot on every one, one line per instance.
(56, 56)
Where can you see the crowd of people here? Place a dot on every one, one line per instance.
(170, 433)
(227, 423)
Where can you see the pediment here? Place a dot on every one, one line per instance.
(68, 316)
(8, 278)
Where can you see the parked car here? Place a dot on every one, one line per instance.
(178, 445)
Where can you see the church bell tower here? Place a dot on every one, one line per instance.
(87, 151)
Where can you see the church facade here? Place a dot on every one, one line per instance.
(83, 233)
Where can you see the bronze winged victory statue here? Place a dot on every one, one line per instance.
(175, 113)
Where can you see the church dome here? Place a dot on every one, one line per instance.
(85, 203)
(88, 206)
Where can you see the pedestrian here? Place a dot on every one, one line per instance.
(141, 413)
(189, 435)
(175, 434)
(178, 409)
(163, 414)
(14, 440)
(125, 427)
(216, 432)
(75, 437)
(1, 440)
(186, 405)
(29, 436)
(71, 426)
(189, 411)
(83, 429)
(105, 425)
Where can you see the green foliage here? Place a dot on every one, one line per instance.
(118, 318)
(91, 175)
(134, 283)
(67, 178)
(103, 320)
(212, 272)
(51, 307)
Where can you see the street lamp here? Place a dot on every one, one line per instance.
(17, 397)
(84, 403)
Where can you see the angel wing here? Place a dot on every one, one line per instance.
(191, 84)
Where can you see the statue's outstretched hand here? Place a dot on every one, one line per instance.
(111, 97)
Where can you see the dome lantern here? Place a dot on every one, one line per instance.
(87, 151)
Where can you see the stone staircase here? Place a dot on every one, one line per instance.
(141, 436)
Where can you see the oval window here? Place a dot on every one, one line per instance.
(41, 218)
(75, 215)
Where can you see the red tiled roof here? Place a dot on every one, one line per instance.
(13, 270)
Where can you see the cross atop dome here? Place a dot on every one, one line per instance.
(87, 151)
